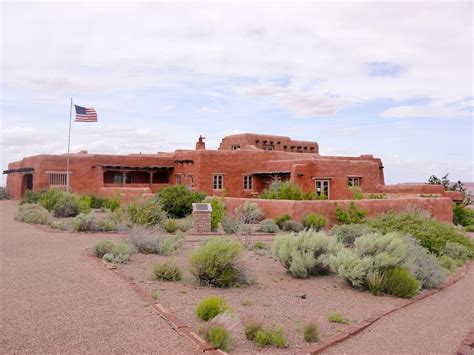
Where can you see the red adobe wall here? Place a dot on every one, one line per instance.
(439, 208)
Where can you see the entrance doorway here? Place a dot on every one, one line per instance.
(323, 188)
(27, 183)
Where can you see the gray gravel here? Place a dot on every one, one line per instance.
(54, 299)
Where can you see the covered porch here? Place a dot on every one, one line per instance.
(263, 179)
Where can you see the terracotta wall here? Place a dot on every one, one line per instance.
(440, 208)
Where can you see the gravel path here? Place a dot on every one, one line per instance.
(54, 300)
(436, 325)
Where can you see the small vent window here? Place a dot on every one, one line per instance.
(218, 182)
(57, 179)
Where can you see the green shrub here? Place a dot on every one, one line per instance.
(145, 212)
(167, 271)
(314, 221)
(374, 281)
(217, 263)
(462, 215)
(185, 224)
(49, 199)
(356, 193)
(292, 226)
(285, 190)
(230, 225)
(97, 202)
(376, 196)
(84, 203)
(449, 264)
(32, 196)
(275, 336)
(4, 195)
(61, 225)
(106, 225)
(170, 225)
(218, 212)
(310, 332)
(261, 338)
(400, 283)
(83, 223)
(351, 215)
(279, 220)
(337, 317)
(122, 252)
(351, 267)
(423, 265)
(220, 337)
(469, 228)
(177, 200)
(103, 247)
(456, 251)
(113, 203)
(432, 235)
(348, 233)
(66, 206)
(251, 328)
(152, 241)
(31, 213)
(210, 307)
(269, 226)
(308, 253)
(260, 245)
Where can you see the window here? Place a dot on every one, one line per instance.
(117, 178)
(235, 146)
(177, 179)
(267, 147)
(322, 188)
(353, 182)
(57, 179)
(218, 182)
(190, 180)
(248, 182)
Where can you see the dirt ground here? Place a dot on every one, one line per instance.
(274, 297)
(54, 299)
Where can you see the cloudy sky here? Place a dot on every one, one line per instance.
(393, 79)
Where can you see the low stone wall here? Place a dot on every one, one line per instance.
(439, 208)
(127, 194)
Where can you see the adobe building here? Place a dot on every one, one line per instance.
(242, 166)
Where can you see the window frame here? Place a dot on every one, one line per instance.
(351, 181)
(248, 182)
(217, 182)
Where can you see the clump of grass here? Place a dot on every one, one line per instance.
(152, 241)
(155, 294)
(337, 317)
(170, 225)
(167, 271)
(83, 223)
(374, 281)
(217, 331)
(102, 247)
(400, 283)
(210, 307)
(255, 331)
(310, 332)
(251, 328)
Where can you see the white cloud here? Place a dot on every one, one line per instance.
(431, 110)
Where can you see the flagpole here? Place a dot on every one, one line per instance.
(68, 148)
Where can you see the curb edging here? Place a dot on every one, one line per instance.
(354, 329)
(174, 322)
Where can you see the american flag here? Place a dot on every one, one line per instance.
(85, 114)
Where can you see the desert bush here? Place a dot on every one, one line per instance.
(66, 205)
(374, 281)
(274, 336)
(310, 332)
(61, 225)
(230, 225)
(102, 247)
(250, 213)
(31, 196)
(449, 264)
(456, 251)
(251, 327)
(210, 307)
(106, 225)
(469, 228)
(218, 263)
(314, 221)
(285, 190)
(48, 199)
(32, 213)
(170, 225)
(83, 223)
(279, 220)
(167, 271)
(122, 252)
(432, 235)
(308, 253)
(218, 211)
(185, 224)
(269, 226)
(351, 215)
(145, 212)
(217, 331)
(177, 200)
(337, 317)
(400, 283)
(113, 203)
(292, 226)
(152, 241)
(356, 193)
(423, 265)
(376, 196)
(4, 195)
(84, 203)
(348, 233)
(462, 215)
(352, 268)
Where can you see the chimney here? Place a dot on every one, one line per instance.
(200, 144)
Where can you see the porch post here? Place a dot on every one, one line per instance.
(151, 179)
(124, 178)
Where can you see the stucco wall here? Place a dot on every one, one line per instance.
(439, 208)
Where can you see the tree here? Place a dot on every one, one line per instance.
(451, 186)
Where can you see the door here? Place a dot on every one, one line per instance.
(323, 188)
(27, 183)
